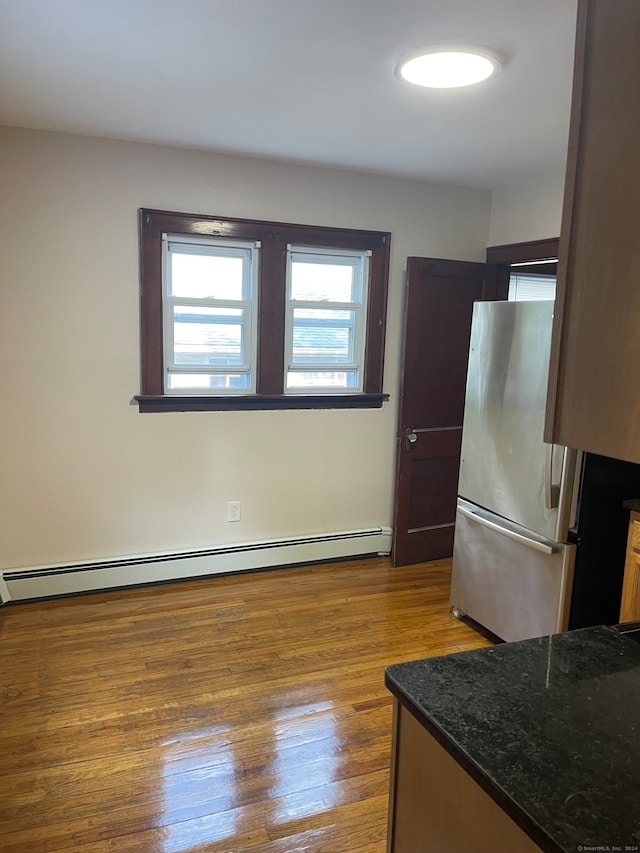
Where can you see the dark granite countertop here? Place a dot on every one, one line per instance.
(549, 727)
(633, 505)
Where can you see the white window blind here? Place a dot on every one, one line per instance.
(527, 287)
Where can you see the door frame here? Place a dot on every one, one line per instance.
(499, 260)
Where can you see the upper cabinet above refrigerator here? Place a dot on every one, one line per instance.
(593, 401)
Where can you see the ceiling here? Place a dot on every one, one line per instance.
(305, 80)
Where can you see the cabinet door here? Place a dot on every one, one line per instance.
(436, 807)
(630, 604)
(593, 401)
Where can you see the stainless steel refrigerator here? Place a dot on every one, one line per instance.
(519, 539)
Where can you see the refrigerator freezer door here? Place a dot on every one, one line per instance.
(516, 584)
(504, 464)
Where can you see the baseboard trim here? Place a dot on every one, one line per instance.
(25, 584)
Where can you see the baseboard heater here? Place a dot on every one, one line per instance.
(45, 581)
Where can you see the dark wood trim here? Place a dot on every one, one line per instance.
(151, 350)
(377, 318)
(445, 268)
(503, 277)
(274, 238)
(533, 250)
(501, 258)
(490, 282)
(197, 224)
(271, 316)
(203, 403)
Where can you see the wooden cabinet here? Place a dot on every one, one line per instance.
(593, 401)
(435, 806)
(630, 604)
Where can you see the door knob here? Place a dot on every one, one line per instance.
(410, 438)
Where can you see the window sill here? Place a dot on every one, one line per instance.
(257, 402)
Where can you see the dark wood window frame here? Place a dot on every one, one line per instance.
(274, 238)
(500, 258)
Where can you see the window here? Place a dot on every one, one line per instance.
(527, 286)
(325, 330)
(209, 315)
(258, 315)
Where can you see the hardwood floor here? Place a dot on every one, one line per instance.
(243, 713)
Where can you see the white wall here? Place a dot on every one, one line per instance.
(529, 210)
(84, 475)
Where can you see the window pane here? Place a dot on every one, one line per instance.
(205, 276)
(322, 336)
(324, 379)
(322, 282)
(531, 287)
(204, 336)
(208, 382)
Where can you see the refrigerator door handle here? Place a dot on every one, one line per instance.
(551, 489)
(504, 531)
(568, 486)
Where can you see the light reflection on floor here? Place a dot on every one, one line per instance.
(298, 770)
(199, 770)
(300, 758)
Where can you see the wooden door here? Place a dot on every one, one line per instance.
(438, 308)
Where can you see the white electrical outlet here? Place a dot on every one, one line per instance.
(234, 510)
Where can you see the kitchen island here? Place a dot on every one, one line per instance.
(525, 746)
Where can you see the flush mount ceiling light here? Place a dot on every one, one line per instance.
(448, 66)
